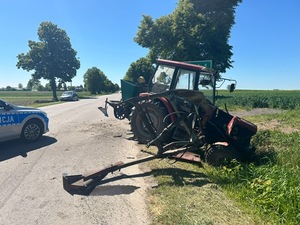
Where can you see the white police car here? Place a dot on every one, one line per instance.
(21, 122)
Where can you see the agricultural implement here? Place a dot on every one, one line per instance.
(84, 184)
(178, 116)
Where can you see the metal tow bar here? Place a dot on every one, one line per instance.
(85, 184)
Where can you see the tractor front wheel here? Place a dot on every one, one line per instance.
(218, 155)
(155, 113)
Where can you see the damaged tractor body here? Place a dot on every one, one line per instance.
(175, 88)
(177, 114)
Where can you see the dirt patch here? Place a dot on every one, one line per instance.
(256, 111)
(276, 125)
(273, 124)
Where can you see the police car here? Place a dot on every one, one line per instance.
(21, 122)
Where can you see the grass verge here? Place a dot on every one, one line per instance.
(266, 191)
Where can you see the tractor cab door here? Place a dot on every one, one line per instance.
(185, 79)
(205, 84)
(195, 80)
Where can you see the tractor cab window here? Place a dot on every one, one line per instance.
(162, 78)
(206, 82)
(185, 79)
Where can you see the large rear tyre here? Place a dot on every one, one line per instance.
(218, 155)
(156, 113)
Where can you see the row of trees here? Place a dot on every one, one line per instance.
(37, 86)
(196, 30)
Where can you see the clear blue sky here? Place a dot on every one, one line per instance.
(265, 38)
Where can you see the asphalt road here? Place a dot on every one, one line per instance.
(81, 139)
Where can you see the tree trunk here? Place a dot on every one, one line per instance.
(53, 88)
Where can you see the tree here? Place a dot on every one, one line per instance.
(109, 86)
(52, 58)
(141, 67)
(94, 80)
(31, 83)
(9, 88)
(20, 86)
(61, 85)
(116, 87)
(196, 30)
(47, 87)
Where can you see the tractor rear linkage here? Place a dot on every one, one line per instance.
(84, 184)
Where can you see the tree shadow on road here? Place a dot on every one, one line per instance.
(16, 148)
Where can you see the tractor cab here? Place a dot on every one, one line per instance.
(169, 75)
(172, 75)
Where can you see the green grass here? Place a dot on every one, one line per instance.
(186, 195)
(272, 184)
(267, 191)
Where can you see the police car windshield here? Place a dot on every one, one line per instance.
(4, 105)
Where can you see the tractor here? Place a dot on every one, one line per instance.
(170, 97)
(176, 112)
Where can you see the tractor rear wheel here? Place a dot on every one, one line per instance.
(218, 155)
(156, 113)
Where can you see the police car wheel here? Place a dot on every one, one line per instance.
(32, 131)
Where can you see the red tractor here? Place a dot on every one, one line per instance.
(176, 112)
(177, 108)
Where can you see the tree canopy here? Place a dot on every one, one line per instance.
(51, 58)
(96, 82)
(142, 67)
(196, 30)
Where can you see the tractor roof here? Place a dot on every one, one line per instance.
(184, 65)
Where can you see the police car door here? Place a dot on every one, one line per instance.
(9, 121)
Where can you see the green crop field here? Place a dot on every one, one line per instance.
(259, 99)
